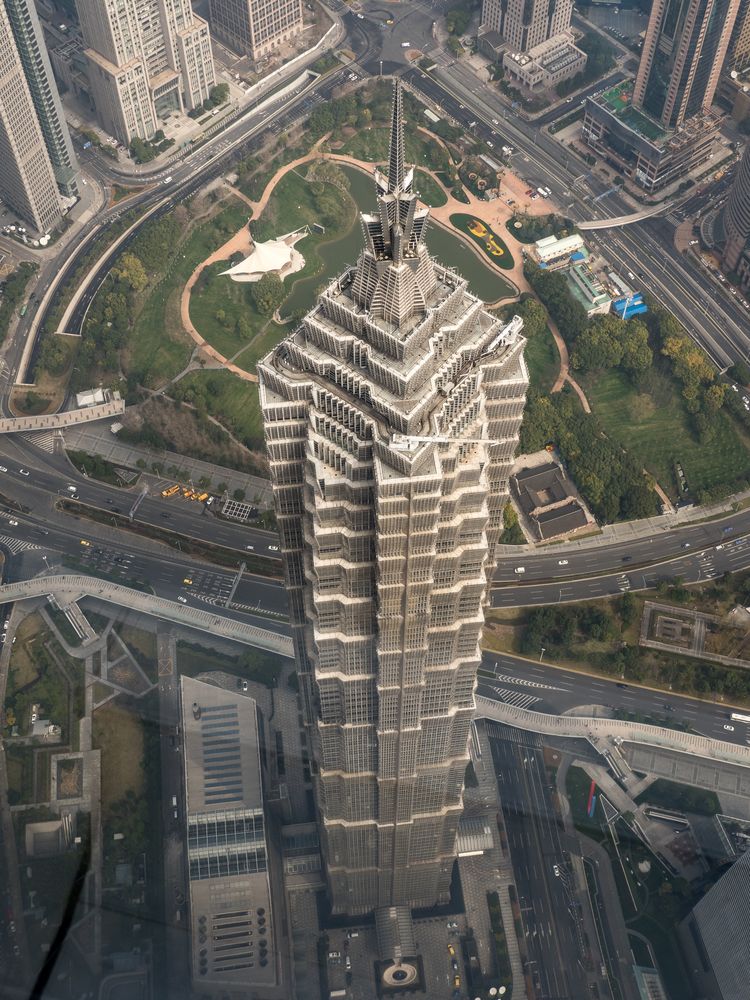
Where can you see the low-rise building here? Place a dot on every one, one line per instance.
(586, 287)
(234, 942)
(638, 146)
(549, 501)
(556, 251)
(547, 64)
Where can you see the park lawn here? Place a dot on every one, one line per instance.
(194, 659)
(430, 192)
(158, 347)
(655, 428)
(490, 243)
(118, 733)
(290, 206)
(213, 293)
(20, 767)
(542, 360)
(371, 145)
(261, 345)
(143, 646)
(24, 666)
(234, 403)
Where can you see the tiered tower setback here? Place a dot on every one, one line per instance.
(391, 418)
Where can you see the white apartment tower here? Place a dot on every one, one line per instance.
(145, 58)
(27, 178)
(255, 27)
(391, 419)
(525, 24)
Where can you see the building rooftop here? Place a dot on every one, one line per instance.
(233, 937)
(618, 100)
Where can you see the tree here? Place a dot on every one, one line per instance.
(534, 317)
(219, 93)
(268, 293)
(131, 271)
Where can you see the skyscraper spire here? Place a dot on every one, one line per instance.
(396, 154)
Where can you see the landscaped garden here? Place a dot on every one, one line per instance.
(654, 425)
(492, 245)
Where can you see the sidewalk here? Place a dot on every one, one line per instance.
(97, 439)
(629, 531)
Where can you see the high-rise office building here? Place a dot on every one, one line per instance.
(736, 222)
(524, 24)
(32, 51)
(255, 27)
(717, 930)
(738, 55)
(391, 420)
(146, 58)
(27, 179)
(683, 53)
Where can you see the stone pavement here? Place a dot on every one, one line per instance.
(97, 439)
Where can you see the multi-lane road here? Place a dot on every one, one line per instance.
(541, 687)
(546, 897)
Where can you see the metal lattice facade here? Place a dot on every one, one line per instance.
(391, 419)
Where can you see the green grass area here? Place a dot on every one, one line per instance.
(158, 348)
(542, 360)
(491, 244)
(371, 145)
(655, 428)
(223, 311)
(252, 664)
(119, 734)
(20, 766)
(502, 958)
(142, 644)
(430, 192)
(260, 346)
(682, 798)
(233, 401)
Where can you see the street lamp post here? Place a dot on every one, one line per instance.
(541, 654)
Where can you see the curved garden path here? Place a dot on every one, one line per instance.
(493, 213)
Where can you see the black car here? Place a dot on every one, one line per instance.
(621, 685)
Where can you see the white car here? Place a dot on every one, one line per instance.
(3, 469)
(405, 45)
(729, 729)
(519, 569)
(250, 548)
(13, 523)
(562, 562)
(556, 870)
(181, 599)
(273, 548)
(23, 472)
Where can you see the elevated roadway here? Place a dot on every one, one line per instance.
(71, 587)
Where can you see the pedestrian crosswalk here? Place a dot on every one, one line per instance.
(505, 679)
(44, 440)
(519, 699)
(16, 545)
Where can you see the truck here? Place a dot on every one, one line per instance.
(542, 192)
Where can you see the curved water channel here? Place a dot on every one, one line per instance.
(447, 246)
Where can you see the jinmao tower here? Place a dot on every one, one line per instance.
(391, 419)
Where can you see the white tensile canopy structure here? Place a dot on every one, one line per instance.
(277, 256)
